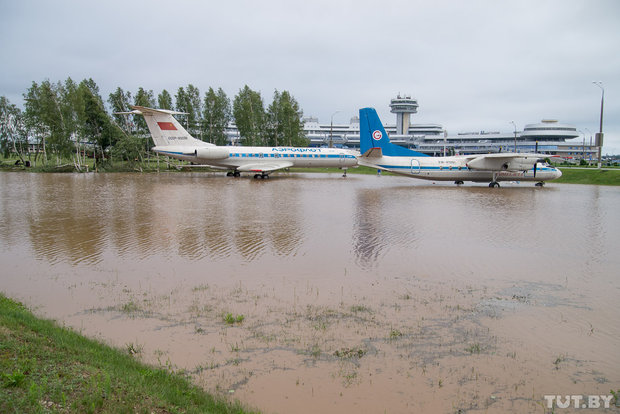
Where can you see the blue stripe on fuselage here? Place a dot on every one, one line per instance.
(454, 169)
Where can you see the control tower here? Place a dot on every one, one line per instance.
(403, 107)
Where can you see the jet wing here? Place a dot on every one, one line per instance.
(265, 167)
(504, 161)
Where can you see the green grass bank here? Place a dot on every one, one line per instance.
(47, 368)
(589, 176)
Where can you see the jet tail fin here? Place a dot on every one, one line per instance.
(373, 135)
(165, 129)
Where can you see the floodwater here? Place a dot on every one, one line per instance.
(363, 294)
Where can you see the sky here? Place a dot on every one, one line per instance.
(472, 65)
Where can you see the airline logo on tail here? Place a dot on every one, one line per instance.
(377, 135)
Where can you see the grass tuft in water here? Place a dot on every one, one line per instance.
(231, 319)
(474, 348)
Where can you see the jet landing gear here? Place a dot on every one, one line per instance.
(261, 175)
(233, 174)
(459, 182)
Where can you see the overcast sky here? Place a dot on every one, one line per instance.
(472, 65)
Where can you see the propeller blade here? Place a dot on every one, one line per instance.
(535, 166)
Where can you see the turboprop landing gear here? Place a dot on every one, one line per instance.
(539, 184)
(345, 172)
(494, 182)
(459, 182)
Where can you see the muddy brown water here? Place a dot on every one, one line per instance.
(363, 294)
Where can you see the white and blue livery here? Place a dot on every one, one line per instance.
(171, 139)
(378, 152)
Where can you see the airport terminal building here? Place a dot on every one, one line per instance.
(553, 137)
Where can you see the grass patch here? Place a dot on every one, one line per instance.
(474, 348)
(47, 368)
(231, 319)
(315, 351)
(395, 334)
(589, 176)
(348, 353)
(360, 308)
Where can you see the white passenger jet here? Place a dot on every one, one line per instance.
(173, 140)
(378, 152)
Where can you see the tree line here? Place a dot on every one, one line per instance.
(67, 119)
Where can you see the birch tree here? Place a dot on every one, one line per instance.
(249, 114)
(216, 117)
(284, 121)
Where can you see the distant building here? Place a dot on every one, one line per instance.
(553, 138)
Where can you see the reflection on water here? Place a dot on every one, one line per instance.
(315, 221)
(90, 218)
(515, 233)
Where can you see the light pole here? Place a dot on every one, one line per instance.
(598, 137)
(513, 124)
(331, 127)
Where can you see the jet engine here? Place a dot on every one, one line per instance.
(211, 153)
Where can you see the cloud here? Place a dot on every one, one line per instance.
(471, 65)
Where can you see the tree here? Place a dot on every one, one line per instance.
(217, 116)
(120, 101)
(188, 101)
(98, 126)
(147, 99)
(249, 116)
(72, 111)
(128, 148)
(13, 131)
(182, 103)
(194, 110)
(164, 100)
(44, 116)
(284, 121)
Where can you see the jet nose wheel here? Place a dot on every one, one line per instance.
(494, 184)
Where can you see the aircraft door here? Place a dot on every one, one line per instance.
(415, 167)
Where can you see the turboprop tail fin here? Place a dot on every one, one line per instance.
(374, 137)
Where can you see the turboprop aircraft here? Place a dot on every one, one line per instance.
(173, 140)
(378, 152)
